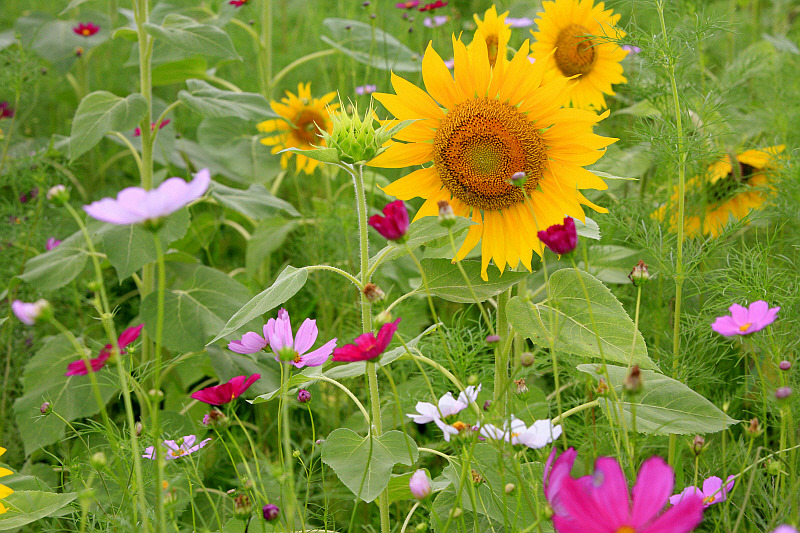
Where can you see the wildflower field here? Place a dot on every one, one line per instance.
(400, 266)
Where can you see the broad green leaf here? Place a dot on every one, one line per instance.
(364, 464)
(72, 397)
(288, 283)
(130, 247)
(445, 280)
(179, 71)
(370, 45)
(566, 316)
(610, 263)
(198, 301)
(422, 231)
(188, 34)
(102, 112)
(231, 147)
(270, 234)
(255, 202)
(26, 506)
(209, 101)
(664, 406)
(590, 230)
(59, 266)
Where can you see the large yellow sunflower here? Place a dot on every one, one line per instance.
(303, 117)
(576, 38)
(494, 31)
(4, 491)
(479, 129)
(724, 193)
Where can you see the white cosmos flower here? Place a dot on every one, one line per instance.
(448, 406)
(539, 434)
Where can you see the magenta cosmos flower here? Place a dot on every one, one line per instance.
(744, 320)
(51, 243)
(227, 392)
(601, 502)
(394, 224)
(561, 238)
(785, 528)
(713, 491)
(366, 346)
(30, 313)
(410, 4)
(86, 29)
(80, 368)
(6, 111)
(278, 336)
(135, 205)
(183, 446)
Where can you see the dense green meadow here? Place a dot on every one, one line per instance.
(329, 265)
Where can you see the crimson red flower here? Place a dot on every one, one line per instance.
(81, 368)
(561, 238)
(227, 392)
(432, 6)
(394, 224)
(237, 3)
(366, 346)
(86, 30)
(409, 4)
(6, 111)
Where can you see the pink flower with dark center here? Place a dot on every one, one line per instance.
(561, 238)
(237, 3)
(51, 243)
(744, 320)
(601, 502)
(410, 4)
(433, 5)
(366, 345)
(293, 350)
(138, 131)
(713, 491)
(80, 368)
(179, 448)
(5, 110)
(135, 205)
(394, 224)
(86, 29)
(227, 392)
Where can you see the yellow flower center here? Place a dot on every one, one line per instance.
(574, 51)
(709, 499)
(492, 48)
(744, 326)
(460, 426)
(625, 529)
(306, 126)
(177, 453)
(86, 31)
(479, 145)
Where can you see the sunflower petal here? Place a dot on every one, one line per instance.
(399, 155)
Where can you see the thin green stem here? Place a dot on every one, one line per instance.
(339, 271)
(299, 61)
(161, 518)
(501, 389)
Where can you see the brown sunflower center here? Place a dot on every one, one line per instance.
(480, 144)
(728, 186)
(492, 46)
(306, 126)
(574, 51)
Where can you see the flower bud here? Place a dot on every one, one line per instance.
(633, 383)
(509, 488)
(526, 359)
(271, 512)
(518, 179)
(156, 394)
(476, 477)
(98, 460)
(421, 527)
(383, 318)
(32, 313)
(602, 388)
(472, 379)
(357, 140)
(296, 454)
(216, 419)
(58, 194)
(242, 506)
(487, 405)
(446, 215)
(303, 396)
(754, 428)
(373, 293)
(522, 388)
(420, 485)
(639, 275)
(785, 365)
(783, 392)
(698, 445)
(138, 428)
(46, 408)
(456, 512)
(492, 339)
(773, 468)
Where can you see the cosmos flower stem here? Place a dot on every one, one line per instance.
(487, 320)
(577, 409)
(339, 271)
(134, 152)
(750, 355)
(155, 408)
(348, 393)
(265, 48)
(679, 267)
(299, 61)
(244, 460)
(419, 366)
(408, 517)
(290, 499)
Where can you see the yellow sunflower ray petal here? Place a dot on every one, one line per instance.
(495, 230)
(5, 491)
(5, 472)
(481, 71)
(415, 98)
(473, 236)
(400, 155)
(438, 79)
(431, 206)
(423, 182)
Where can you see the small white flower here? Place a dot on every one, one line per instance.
(448, 406)
(539, 434)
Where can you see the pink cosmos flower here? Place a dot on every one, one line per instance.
(744, 321)
(293, 351)
(785, 528)
(410, 4)
(446, 408)
(367, 346)
(434, 22)
(79, 367)
(522, 22)
(135, 205)
(713, 491)
(138, 131)
(227, 392)
(30, 313)
(183, 446)
(51, 243)
(394, 224)
(601, 502)
(6, 111)
(361, 90)
(420, 485)
(237, 3)
(251, 342)
(561, 238)
(86, 29)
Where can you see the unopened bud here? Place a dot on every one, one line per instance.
(518, 179)
(774, 468)
(509, 488)
(698, 445)
(242, 506)
(783, 392)
(421, 527)
(420, 485)
(446, 215)
(754, 428)
(522, 388)
(487, 405)
(639, 275)
(156, 394)
(270, 512)
(216, 419)
(98, 460)
(492, 339)
(633, 383)
(46, 408)
(383, 318)
(476, 477)
(58, 194)
(472, 379)
(296, 454)
(303, 396)
(547, 512)
(138, 428)
(785, 365)
(456, 512)
(526, 359)
(373, 293)
(602, 388)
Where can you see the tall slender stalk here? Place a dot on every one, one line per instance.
(161, 519)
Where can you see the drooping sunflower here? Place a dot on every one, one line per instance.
(475, 132)
(577, 38)
(302, 119)
(4, 491)
(724, 193)
(495, 33)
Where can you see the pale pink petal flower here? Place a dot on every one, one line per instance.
(175, 450)
(279, 335)
(744, 321)
(713, 491)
